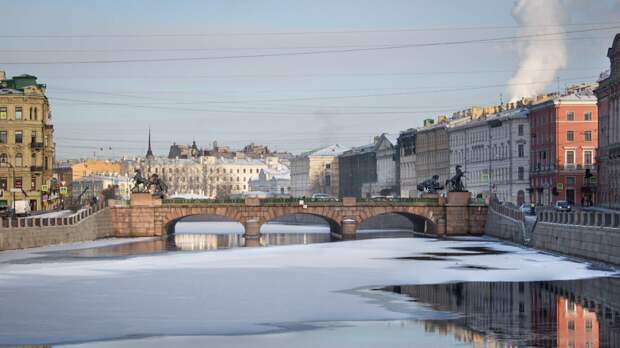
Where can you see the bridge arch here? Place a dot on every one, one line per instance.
(332, 222)
(170, 225)
(423, 221)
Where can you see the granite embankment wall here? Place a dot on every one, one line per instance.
(589, 235)
(35, 232)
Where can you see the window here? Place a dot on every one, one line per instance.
(328, 180)
(46, 165)
(327, 166)
(521, 173)
(18, 182)
(33, 159)
(570, 116)
(521, 150)
(587, 135)
(3, 183)
(33, 137)
(571, 325)
(18, 113)
(587, 157)
(4, 158)
(33, 183)
(3, 137)
(570, 157)
(19, 137)
(570, 136)
(588, 324)
(3, 113)
(587, 116)
(19, 160)
(520, 130)
(570, 181)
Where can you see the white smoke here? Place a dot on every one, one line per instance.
(539, 60)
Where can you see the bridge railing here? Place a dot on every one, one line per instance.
(398, 201)
(581, 217)
(184, 201)
(510, 211)
(294, 201)
(61, 220)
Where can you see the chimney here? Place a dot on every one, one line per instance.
(2, 75)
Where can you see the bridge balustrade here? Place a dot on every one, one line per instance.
(36, 221)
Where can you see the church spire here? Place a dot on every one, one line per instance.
(149, 152)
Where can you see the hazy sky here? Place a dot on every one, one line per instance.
(124, 71)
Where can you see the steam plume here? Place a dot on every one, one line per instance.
(539, 60)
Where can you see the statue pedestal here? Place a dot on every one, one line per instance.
(144, 199)
(459, 198)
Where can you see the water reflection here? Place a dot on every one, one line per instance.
(577, 314)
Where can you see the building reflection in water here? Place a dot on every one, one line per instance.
(567, 314)
(195, 241)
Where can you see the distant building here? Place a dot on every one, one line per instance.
(316, 171)
(232, 176)
(357, 167)
(87, 187)
(271, 182)
(608, 158)
(387, 175)
(432, 152)
(27, 147)
(407, 163)
(494, 153)
(564, 136)
(89, 167)
(183, 151)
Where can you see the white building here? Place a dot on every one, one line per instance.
(407, 159)
(94, 184)
(232, 176)
(183, 176)
(273, 183)
(316, 171)
(494, 152)
(387, 182)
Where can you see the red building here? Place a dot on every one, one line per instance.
(564, 132)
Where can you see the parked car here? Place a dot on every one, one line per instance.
(562, 206)
(323, 197)
(527, 209)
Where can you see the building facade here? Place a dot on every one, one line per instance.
(432, 152)
(274, 184)
(407, 163)
(564, 140)
(387, 178)
(232, 176)
(494, 153)
(316, 171)
(608, 158)
(26, 144)
(357, 167)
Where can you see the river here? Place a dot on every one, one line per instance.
(202, 287)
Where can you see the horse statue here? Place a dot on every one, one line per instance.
(430, 186)
(455, 183)
(160, 186)
(140, 183)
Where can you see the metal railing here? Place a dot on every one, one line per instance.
(581, 218)
(37, 221)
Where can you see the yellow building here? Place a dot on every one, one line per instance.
(90, 167)
(316, 171)
(26, 144)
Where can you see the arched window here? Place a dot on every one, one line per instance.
(4, 158)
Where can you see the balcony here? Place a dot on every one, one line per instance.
(36, 146)
(36, 168)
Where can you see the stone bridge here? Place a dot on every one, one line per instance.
(148, 216)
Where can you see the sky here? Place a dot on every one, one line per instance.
(293, 75)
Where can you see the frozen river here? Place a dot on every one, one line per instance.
(203, 288)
